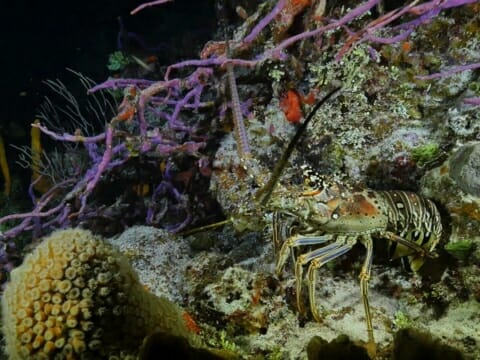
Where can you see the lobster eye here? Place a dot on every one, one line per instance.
(335, 216)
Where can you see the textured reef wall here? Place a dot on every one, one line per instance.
(190, 149)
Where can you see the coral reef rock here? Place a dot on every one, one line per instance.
(465, 168)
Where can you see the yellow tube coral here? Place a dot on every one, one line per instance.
(4, 167)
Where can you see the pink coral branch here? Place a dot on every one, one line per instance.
(148, 4)
(69, 137)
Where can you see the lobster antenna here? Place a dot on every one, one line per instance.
(266, 191)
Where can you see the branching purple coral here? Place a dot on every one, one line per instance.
(366, 34)
(195, 63)
(111, 149)
(29, 219)
(195, 83)
(277, 51)
(425, 12)
(105, 155)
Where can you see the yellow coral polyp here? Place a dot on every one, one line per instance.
(65, 286)
(74, 293)
(34, 294)
(87, 325)
(56, 309)
(46, 297)
(49, 347)
(32, 282)
(26, 337)
(44, 285)
(94, 345)
(56, 273)
(39, 340)
(27, 322)
(75, 263)
(79, 282)
(104, 278)
(49, 334)
(39, 328)
(71, 273)
(25, 351)
(56, 300)
(39, 317)
(66, 306)
(50, 322)
(59, 343)
(78, 345)
(71, 322)
(22, 313)
(37, 306)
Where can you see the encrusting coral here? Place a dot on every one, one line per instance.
(76, 297)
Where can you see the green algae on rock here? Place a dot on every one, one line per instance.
(460, 250)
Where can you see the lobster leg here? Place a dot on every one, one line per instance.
(318, 261)
(298, 240)
(364, 278)
(304, 259)
(409, 244)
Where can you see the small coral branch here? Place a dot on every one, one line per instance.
(148, 4)
(264, 22)
(453, 70)
(449, 72)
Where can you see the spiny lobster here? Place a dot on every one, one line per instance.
(331, 212)
(326, 211)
